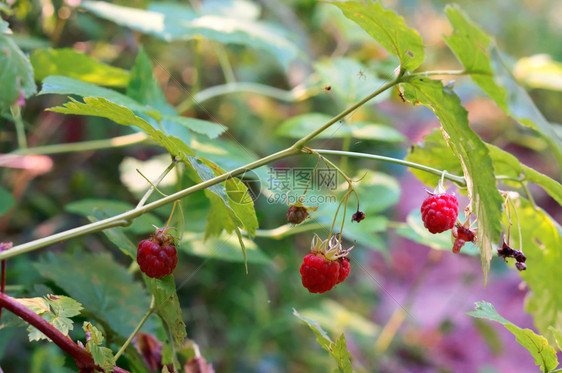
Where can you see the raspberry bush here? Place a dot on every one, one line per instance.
(118, 119)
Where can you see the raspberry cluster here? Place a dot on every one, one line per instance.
(157, 256)
(326, 265)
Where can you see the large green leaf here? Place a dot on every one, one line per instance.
(301, 125)
(241, 212)
(103, 287)
(167, 305)
(16, 73)
(68, 62)
(179, 22)
(537, 345)
(388, 29)
(102, 207)
(170, 123)
(542, 244)
(486, 202)
(477, 51)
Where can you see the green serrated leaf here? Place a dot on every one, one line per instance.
(100, 284)
(542, 244)
(103, 356)
(537, 345)
(304, 124)
(64, 306)
(486, 202)
(16, 73)
(167, 306)
(388, 29)
(171, 22)
(69, 62)
(342, 356)
(171, 123)
(477, 51)
(102, 207)
(321, 335)
(6, 201)
(62, 324)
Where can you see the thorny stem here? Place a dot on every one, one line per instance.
(126, 218)
(82, 357)
(139, 326)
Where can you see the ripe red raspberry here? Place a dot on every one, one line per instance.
(319, 274)
(439, 212)
(344, 269)
(156, 261)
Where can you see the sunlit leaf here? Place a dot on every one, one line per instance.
(180, 22)
(170, 122)
(478, 52)
(388, 29)
(473, 155)
(537, 345)
(71, 63)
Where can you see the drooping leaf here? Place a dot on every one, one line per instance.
(6, 201)
(302, 125)
(103, 356)
(486, 202)
(171, 22)
(387, 28)
(537, 345)
(16, 73)
(172, 123)
(477, 51)
(100, 284)
(90, 207)
(167, 305)
(541, 242)
(71, 63)
(321, 336)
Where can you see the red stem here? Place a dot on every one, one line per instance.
(83, 358)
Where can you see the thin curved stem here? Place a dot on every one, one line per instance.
(457, 179)
(153, 186)
(139, 326)
(20, 128)
(82, 146)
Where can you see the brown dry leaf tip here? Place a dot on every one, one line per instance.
(358, 216)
